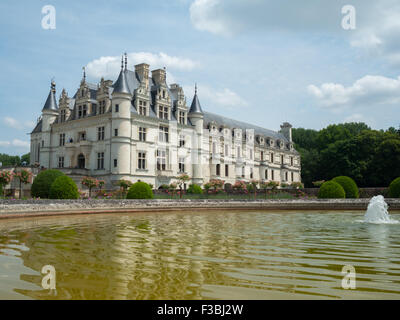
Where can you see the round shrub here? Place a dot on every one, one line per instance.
(331, 190)
(394, 188)
(140, 190)
(42, 183)
(349, 186)
(64, 188)
(194, 189)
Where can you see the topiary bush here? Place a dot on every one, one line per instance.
(394, 188)
(64, 188)
(194, 189)
(331, 190)
(140, 190)
(349, 186)
(42, 183)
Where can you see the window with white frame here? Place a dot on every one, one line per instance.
(163, 112)
(100, 160)
(141, 160)
(142, 108)
(181, 165)
(62, 139)
(100, 133)
(163, 134)
(61, 162)
(181, 117)
(161, 160)
(142, 134)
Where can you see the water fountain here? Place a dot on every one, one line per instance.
(377, 211)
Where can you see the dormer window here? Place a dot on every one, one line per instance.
(142, 108)
(163, 112)
(63, 115)
(102, 107)
(181, 117)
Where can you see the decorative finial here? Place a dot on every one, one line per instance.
(126, 61)
(122, 62)
(53, 85)
(195, 88)
(84, 73)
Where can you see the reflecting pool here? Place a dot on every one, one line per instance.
(200, 255)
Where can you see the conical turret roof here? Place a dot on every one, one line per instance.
(51, 103)
(121, 85)
(195, 107)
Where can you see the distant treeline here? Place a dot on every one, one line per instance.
(8, 160)
(370, 157)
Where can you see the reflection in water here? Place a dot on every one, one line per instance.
(213, 255)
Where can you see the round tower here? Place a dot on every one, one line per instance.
(49, 115)
(196, 117)
(121, 128)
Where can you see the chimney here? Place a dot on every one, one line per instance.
(286, 130)
(142, 70)
(159, 76)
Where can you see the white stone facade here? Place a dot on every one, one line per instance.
(139, 128)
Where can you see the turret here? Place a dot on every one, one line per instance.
(121, 124)
(197, 119)
(49, 115)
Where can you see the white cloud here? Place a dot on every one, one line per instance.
(19, 125)
(109, 67)
(209, 97)
(15, 143)
(377, 22)
(367, 92)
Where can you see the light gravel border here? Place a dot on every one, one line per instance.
(35, 208)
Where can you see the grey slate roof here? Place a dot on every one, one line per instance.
(38, 127)
(51, 103)
(230, 123)
(195, 107)
(121, 85)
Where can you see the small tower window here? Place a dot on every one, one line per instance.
(117, 108)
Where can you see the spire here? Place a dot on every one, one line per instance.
(51, 103)
(195, 107)
(126, 61)
(121, 85)
(84, 74)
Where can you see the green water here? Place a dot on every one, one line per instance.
(200, 255)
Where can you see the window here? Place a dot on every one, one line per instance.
(142, 134)
(218, 169)
(115, 163)
(262, 155)
(181, 141)
(266, 174)
(227, 150)
(163, 112)
(181, 165)
(291, 161)
(292, 176)
(62, 139)
(100, 133)
(100, 161)
(102, 107)
(61, 162)
(181, 117)
(163, 94)
(282, 159)
(286, 176)
(251, 154)
(79, 112)
(116, 132)
(42, 143)
(214, 148)
(142, 160)
(272, 174)
(272, 158)
(82, 111)
(243, 172)
(117, 108)
(251, 173)
(63, 115)
(163, 134)
(161, 160)
(226, 170)
(142, 108)
(82, 136)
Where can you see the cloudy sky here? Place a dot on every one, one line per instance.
(260, 61)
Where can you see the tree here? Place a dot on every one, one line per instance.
(5, 178)
(183, 178)
(90, 183)
(24, 176)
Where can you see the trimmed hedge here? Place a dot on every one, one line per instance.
(140, 190)
(394, 188)
(64, 188)
(349, 186)
(331, 190)
(42, 183)
(194, 189)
